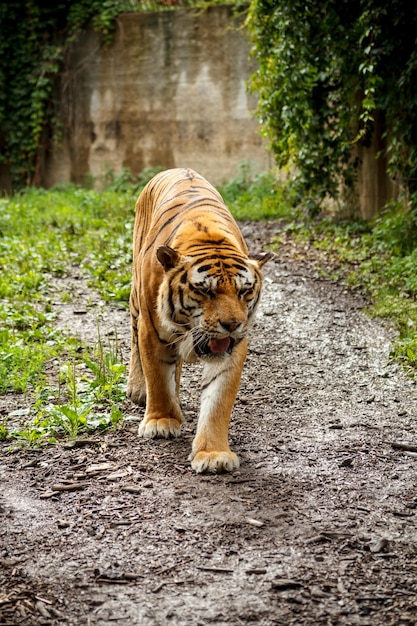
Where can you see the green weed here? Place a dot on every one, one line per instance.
(28, 340)
(4, 432)
(108, 382)
(82, 403)
(93, 401)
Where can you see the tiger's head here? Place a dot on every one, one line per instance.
(207, 302)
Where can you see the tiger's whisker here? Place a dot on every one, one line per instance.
(181, 337)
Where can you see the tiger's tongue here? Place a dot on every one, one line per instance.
(219, 345)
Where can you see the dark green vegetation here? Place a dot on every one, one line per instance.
(45, 235)
(333, 74)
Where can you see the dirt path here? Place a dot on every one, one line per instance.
(318, 526)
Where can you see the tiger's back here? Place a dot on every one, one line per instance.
(173, 208)
(174, 192)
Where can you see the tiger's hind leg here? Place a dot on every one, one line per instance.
(136, 387)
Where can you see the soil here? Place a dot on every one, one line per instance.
(317, 527)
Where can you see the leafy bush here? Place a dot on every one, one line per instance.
(329, 74)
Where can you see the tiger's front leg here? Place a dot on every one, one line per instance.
(161, 368)
(210, 451)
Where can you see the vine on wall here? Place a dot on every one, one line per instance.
(34, 37)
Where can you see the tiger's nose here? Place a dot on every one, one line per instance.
(230, 326)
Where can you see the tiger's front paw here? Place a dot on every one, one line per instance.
(214, 462)
(164, 427)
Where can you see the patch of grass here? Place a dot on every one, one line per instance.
(28, 340)
(88, 398)
(107, 371)
(256, 197)
(43, 234)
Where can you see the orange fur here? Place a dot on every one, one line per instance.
(194, 292)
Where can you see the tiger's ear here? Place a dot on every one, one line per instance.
(263, 258)
(168, 257)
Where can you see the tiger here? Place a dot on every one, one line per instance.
(194, 293)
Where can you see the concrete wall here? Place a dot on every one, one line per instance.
(170, 91)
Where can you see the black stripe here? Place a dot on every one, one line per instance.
(171, 301)
(167, 223)
(230, 266)
(200, 254)
(165, 343)
(204, 268)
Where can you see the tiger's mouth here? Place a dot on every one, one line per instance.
(213, 347)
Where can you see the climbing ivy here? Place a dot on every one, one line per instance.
(328, 72)
(34, 38)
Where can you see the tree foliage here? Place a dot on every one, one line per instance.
(327, 71)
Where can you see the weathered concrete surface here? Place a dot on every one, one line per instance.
(170, 91)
